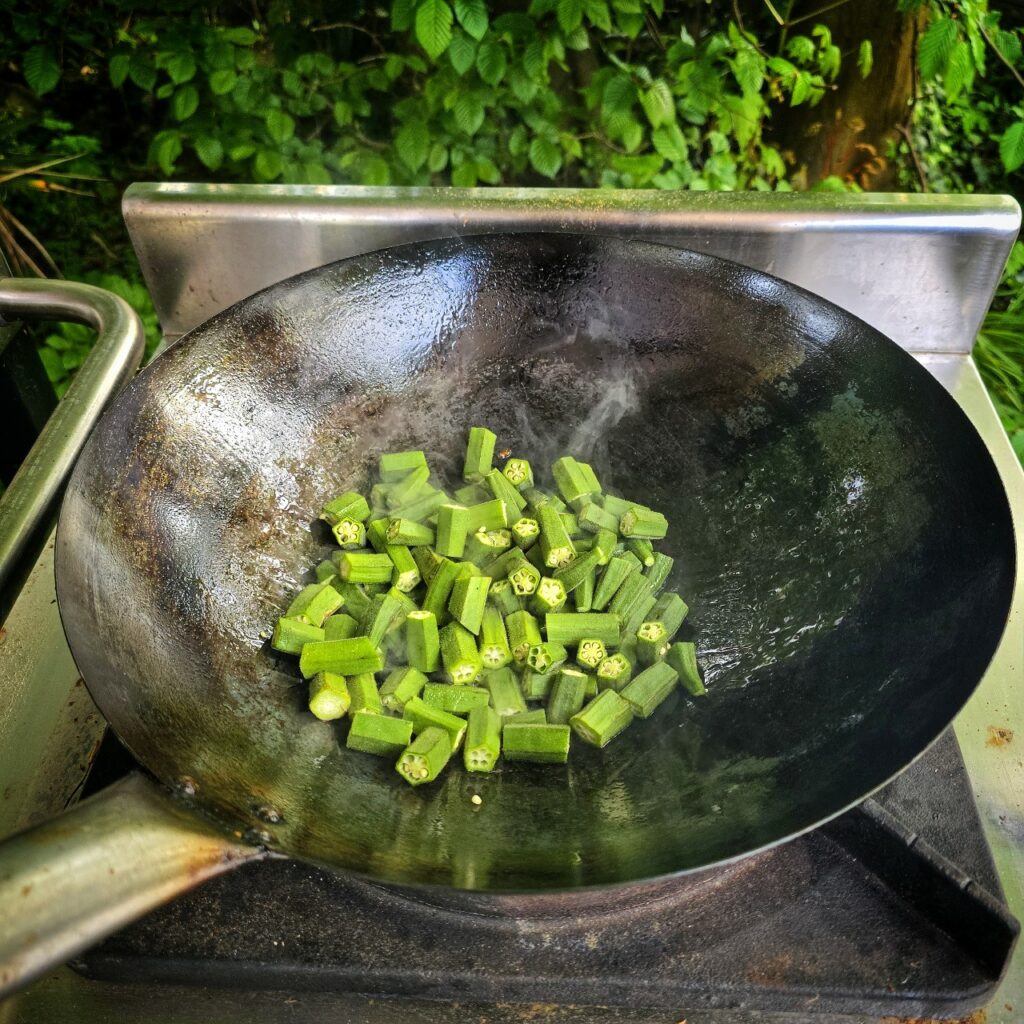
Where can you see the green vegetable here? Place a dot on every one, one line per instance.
(427, 560)
(523, 633)
(571, 524)
(422, 642)
(362, 687)
(671, 610)
(567, 695)
(546, 656)
(591, 651)
(583, 595)
(629, 596)
(537, 685)
(483, 739)
(456, 699)
(602, 719)
(573, 483)
(356, 567)
(400, 687)
(643, 549)
(638, 614)
(503, 490)
(452, 530)
(468, 600)
(548, 744)
(614, 672)
(408, 533)
(356, 597)
(643, 522)
(339, 627)
(525, 532)
(556, 548)
(505, 695)
(459, 654)
(683, 658)
(421, 508)
(291, 635)
(350, 505)
(503, 597)
(523, 576)
(380, 615)
(344, 657)
(488, 515)
(658, 571)
(349, 534)
(379, 734)
(549, 596)
(572, 627)
(397, 465)
(440, 589)
(479, 454)
(314, 603)
(485, 545)
(494, 649)
(647, 690)
(424, 758)
(519, 473)
(538, 716)
(325, 571)
(580, 568)
(423, 717)
(472, 494)
(329, 698)
(593, 518)
(614, 575)
(411, 487)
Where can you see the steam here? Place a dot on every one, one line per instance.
(621, 396)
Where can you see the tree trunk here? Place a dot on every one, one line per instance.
(849, 132)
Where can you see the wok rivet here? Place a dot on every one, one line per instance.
(256, 837)
(271, 815)
(187, 786)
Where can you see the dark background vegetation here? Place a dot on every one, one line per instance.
(774, 95)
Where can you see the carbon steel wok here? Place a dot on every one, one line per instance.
(838, 527)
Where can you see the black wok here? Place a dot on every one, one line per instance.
(838, 527)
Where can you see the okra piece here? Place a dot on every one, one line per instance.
(537, 685)
(452, 530)
(591, 651)
(396, 466)
(484, 545)
(503, 597)
(658, 571)
(400, 687)
(427, 560)
(555, 546)
(549, 597)
(535, 556)
(423, 645)
(547, 744)
(602, 719)
(590, 477)
(292, 635)
(459, 655)
(357, 567)
(440, 589)
(408, 533)
(640, 614)
(643, 522)
(407, 574)
(325, 571)
(524, 577)
(488, 515)
(505, 695)
(314, 603)
(350, 505)
(614, 575)
(424, 758)
(422, 508)
(593, 518)
(581, 567)
(616, 505)
(468, 600)
(379, 617)
(329, 698)
(605, 542)
(572, 482)
(571, 627)
(379, 496)
(519, 473)
(494, 649)
(343, 657)
(379, 734)
(647, 690)
(412, 486)
(635, 588)
(546, 656)
(536, 497)
(479, 454)
(643, 549)
(591, 691)
(356, 597)
(340, 627)
(472, 494)
(536, 717)
(671, 611)
(614, 672)
(583, 595)
(362, 688)
(457, 700)
(349, 534)
(683, 658)
(423, 716)
(523, 633)
(567, 695)
(483, 740)
(652, 642)
(571, 524)
(503, 490)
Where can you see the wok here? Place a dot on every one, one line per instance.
(839, 531)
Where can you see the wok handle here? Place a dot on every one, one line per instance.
(70, 881)
(113, 360)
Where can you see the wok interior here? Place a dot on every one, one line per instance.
(838, 529)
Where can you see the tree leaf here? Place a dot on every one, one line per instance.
(185, 102)
(141, 71)
(801, 48)
(267, 164)
(523, 87)
(577, 39)
(181, 67)
(165, 149)
(240, 36)
(669, 142)
(118, 69)
(598, 14)
(434, 27)
(570, 16)
(545, 156)
(280, 126)
(401, 14)
(534, 62)
(438, 158)
(464, 176)
(491, 62)
(223, 81)
(748, 70)
(209, 150)
(342, 113)
(412, 142)
(1008, 44)
(658, 104)
(461, 52)
(865, 58)
(518, 141)
(1011, 146)
(468, 112)
(40, 68)
(472, 15)
(935, 46)
(959, 74)
(801, 89)
(619, 94)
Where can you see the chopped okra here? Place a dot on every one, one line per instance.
(537, 608)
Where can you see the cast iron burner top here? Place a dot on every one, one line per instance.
(894, 908)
